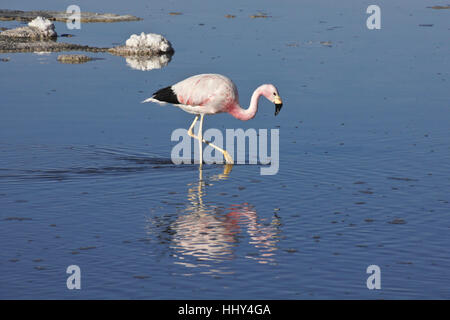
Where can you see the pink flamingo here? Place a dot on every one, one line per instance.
(210, 94)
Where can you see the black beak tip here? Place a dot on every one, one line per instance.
(278, 108)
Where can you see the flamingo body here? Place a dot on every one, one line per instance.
(200, 94)
(211, 94)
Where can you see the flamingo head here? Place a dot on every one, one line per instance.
(271, 93)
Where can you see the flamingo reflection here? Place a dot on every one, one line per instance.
(205, 233)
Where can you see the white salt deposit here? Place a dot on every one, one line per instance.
(45, 26)
(38, 28)
(149, 41)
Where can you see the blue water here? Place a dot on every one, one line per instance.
(86, 177)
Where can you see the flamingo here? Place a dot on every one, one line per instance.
(206, 94)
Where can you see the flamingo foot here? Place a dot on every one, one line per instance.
(228, 158)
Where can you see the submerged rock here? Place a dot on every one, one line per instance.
(144, 45)
(73, 58)
(326, 43)
(439, 7)
(260, 15)
(38, 28)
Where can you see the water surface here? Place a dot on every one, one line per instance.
(86, 176)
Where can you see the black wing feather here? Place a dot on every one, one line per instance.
(166, 95)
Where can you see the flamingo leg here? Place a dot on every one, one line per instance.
(190, 133)
(200, 139)
(228, 158)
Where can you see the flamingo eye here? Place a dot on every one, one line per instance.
(274, 93)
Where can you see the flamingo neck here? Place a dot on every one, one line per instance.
(246, 114)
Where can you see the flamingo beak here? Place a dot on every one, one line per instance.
(278, 104)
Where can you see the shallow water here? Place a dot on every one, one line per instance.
(86, 176)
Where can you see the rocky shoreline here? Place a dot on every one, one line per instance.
(13, 45)
(86, 17)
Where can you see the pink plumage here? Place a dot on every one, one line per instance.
(211, 94)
